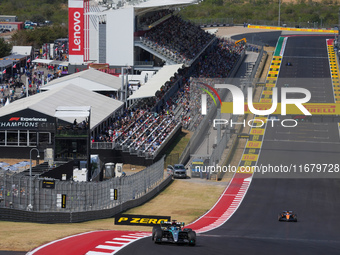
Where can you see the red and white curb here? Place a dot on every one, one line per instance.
(226, 205)
(115, 244)
(104, 242)
(238, 197)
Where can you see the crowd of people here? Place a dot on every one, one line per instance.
(210, 69)
(220, 61)
(14, 86)
(152, 17)
(140, 129)
(178, 37)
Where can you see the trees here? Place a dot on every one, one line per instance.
(5, 48)
(40, 35)
(300, 11)
(53, 10)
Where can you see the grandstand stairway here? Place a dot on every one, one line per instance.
(153, 50)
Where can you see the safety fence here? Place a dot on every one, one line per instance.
(221, 145)
(71, 217)
(19, 191)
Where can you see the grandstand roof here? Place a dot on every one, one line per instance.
(156, 82)
(161, 4)
(69, 95)
(90, 79)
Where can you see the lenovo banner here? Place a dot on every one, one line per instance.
(76, 30)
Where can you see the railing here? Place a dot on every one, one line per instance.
(144, 63)
(103, 145)
(71, 132)
(159, 149)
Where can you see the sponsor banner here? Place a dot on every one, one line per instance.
(46, 184)
(140, 220)
(63, 200)
(27, 120)
(25, 123)
(252, 144)
(250, 157)
(243, 135)
(76, 29)
(295, 29)
(21, 123)
(313, 108)
(257, 131)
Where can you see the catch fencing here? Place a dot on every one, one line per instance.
(70, 196)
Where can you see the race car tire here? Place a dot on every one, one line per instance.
(295, 217)
(154, 228)
(192, 238)
(158, 236)
(279, 217)
(187, 229)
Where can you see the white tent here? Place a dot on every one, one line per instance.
(42, 61)
(90, 79)
(102, 107)
(22, 50)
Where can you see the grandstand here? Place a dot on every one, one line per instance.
(152, 119)
(152, 37)
(156, 112)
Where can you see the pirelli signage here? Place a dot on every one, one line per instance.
(140, 220)
(313, 108)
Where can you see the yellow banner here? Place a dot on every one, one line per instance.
(257, 131)
(295, 29)
(250, 157)
(314, 109)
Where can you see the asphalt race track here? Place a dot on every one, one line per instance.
(262, 38)
(254, 228)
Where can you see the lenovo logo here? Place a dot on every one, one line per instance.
(77, 31)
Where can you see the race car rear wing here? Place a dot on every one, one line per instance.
(169, 223)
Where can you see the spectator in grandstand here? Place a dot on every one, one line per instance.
(178, 37)
(152, 17)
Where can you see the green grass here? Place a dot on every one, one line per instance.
(179, 144)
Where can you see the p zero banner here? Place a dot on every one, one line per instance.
(76, 30)
(140, 220)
